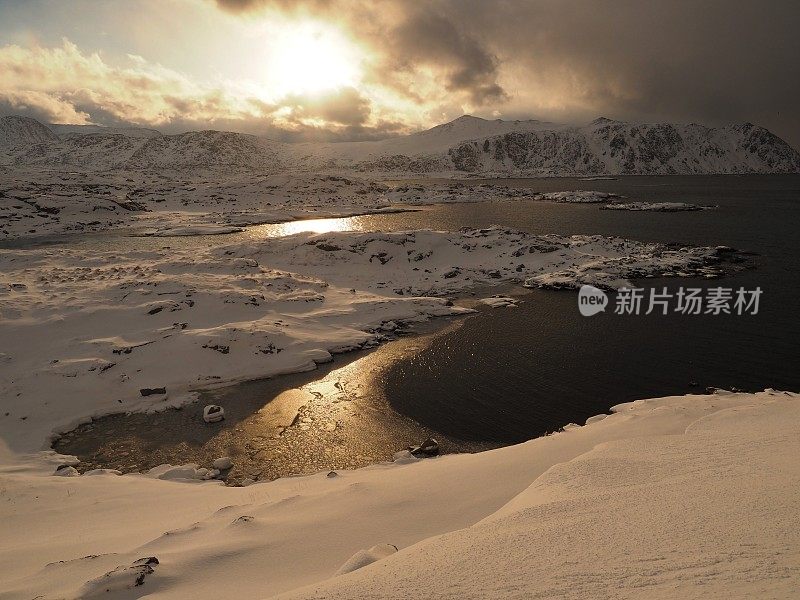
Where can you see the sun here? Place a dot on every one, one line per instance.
(310, 57)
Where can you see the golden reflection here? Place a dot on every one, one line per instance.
(305, 226)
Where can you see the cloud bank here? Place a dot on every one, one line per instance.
(566, 61)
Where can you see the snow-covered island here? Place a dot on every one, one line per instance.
(577, 197)
(655, 206)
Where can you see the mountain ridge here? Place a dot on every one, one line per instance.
(467, 144)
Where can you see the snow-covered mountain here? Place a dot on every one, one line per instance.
(205, 149)
(424, 151)
(18, 131)
(603, 147)
(99, 148)
(614, 147)
(466, 127)
(465, 145)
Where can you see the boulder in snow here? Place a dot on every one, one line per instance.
(152, 391)
(223, 463)
(429, 447)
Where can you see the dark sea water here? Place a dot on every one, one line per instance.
(507, 375)
(513, 374)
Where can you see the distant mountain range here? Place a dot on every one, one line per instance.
(467, 145)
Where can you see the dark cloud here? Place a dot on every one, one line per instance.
(430, 39)
(712, 61)
(299, 132)
(409, 37)
(345, 106)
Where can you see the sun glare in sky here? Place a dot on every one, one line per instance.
(308, 58)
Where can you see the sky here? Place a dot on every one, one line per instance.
(370, 69)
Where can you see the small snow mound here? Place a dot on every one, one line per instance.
(404, 457)
(120, 579)
(595, 419)
(362, 558)
(188, 472)
(213, 413)
(66, 471)
(499, 301)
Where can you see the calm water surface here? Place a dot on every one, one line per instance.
(507, 375)
(513, 374)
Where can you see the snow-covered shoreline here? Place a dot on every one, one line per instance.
(35, 205)
(84, 332)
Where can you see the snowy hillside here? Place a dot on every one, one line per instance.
(92, 152)
(205, 149)
(677, 506)
(22, 131)
(442, 137)
(424, 151)
(613, 147)
(603, 147)
(465, 145)
(98, 148)
(465, 127)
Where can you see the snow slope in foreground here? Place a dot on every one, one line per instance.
(676, 497)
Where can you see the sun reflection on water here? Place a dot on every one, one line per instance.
(305, 226)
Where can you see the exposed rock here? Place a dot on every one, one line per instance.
(429, 447)
(152, 391)
(223, 463)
